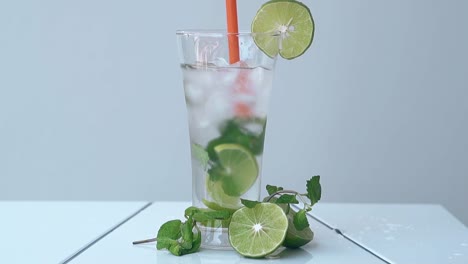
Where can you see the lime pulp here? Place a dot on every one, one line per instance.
(239, 169)
(292, 19)
(257, 232)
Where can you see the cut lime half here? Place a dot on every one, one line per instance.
(257, 232)
(292, 19)
(295, 238)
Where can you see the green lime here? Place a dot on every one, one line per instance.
(257, 232)
(295, 238)
(240, 169)
(219, 200)
(294, 22)
(218, 207)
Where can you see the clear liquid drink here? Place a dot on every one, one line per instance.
(227, 113)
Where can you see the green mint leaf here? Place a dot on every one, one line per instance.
(203, 216)
(196, 242)
(200, 154)
(190, 211)
(187, 234)
(167, 233)
(215, 173)
(239, 131)
(165, 243)
(175, 249)
(179, 237)
(314, 190)
(249, 203)
(219, 215)
(272, 189)
(300, 220)
(287, 198)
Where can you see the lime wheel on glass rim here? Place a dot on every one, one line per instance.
(292, 20)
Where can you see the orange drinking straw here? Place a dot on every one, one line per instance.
(233, 29)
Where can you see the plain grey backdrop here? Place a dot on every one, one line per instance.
(92, 105)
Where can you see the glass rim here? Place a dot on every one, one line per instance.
(222, 33)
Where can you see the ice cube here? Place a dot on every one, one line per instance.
(220, 62)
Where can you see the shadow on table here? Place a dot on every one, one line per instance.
(208, 256)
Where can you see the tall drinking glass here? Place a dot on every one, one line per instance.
(227, 113)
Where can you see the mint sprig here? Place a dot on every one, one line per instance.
(179, 237)
(314, 194)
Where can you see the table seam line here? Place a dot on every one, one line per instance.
(112, 229)
(339, 232)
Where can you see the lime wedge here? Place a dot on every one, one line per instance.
(295, 238)
(294, 22)
(257, 232)
(240, 169)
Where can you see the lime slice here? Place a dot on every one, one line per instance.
(257, 232)
(240, 169)
(294, 22)
(295, 238)
(219, 207)
(220, 200)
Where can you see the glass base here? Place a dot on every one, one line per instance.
(215, 238)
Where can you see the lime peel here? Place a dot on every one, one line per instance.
(292, 19)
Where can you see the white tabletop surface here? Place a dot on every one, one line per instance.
(97, 232)
(400, 233)
(327, 248)
(50, 232)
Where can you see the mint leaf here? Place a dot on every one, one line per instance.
(203, 215)
(287, 198)
(272, 189)
(240, 131)
(314, 190)
(165, 243)
(196, 242)
(178, 237)
(200, 154)
(190, 211)
(187, 234)
(168, 232)
(249, 203)
(300, 220)
(175, 249)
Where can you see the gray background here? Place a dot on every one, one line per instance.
(92, 108)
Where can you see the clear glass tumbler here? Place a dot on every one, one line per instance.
(227, 113)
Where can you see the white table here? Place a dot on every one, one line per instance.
(328, 247)
(100, 232)
(51, 232)
(412, 233)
